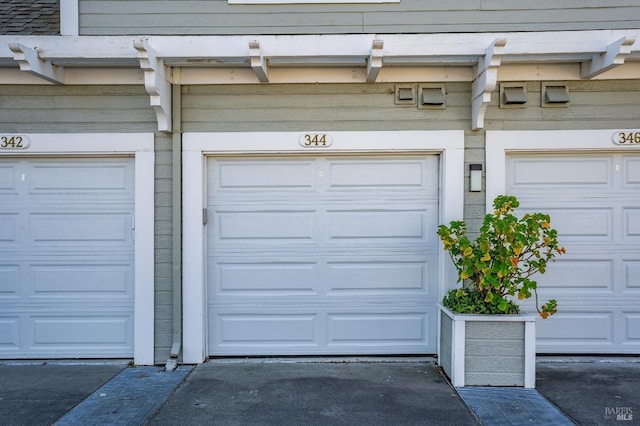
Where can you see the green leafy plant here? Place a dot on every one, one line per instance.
(499, 264)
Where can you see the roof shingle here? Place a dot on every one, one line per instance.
(30, 17)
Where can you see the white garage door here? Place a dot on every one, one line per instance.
(334, 255)
(594, 202)
(66, 257)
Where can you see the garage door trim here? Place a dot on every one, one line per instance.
(141, 146)
(198, 145)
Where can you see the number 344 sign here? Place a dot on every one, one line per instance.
(626, 137)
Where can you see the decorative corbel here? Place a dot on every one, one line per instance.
(30, 61)
(258, 63)
(375, 61)
(156, 83)
(614, 56)
(486, 79)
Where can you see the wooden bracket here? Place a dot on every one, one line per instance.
(375, 61)
(614, 56)
(258, 63)
(30, 61)
(486, 79)
(156, 83)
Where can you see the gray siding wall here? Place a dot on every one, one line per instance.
(494, 353)
(115, 17)
(77, 109)
(305, 107)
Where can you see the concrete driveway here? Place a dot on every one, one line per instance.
(321, 393)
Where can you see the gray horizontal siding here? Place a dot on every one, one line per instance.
(316, 107)
(104, 109)
(53, 109)
(494, 353)
(102, 17)
(593, 105)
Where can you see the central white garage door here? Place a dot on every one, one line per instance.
(333, 255)
(594, 202)
(66, 257)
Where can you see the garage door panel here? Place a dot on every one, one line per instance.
(9, 229)
(388, 224)
(584, 223)
(267, 226)
(575, 273)
(561, 173)
(632, 224)
(8, 179)
(598, 327)
(378, 329)
(9, 333)
(81, 280)
(377, 276)
(69, 177)
(389, 276)
(93, 227)
(632, 274)
(265, 329)
(383, 175)
(631, 173)
(632, 327)
(318, 330)
(264, 175)
(10, 275)
(67, 331)
(265, 279)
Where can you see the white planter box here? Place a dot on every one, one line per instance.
(487, 350)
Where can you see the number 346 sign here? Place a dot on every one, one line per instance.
(626, 137)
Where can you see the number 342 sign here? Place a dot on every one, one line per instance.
(14, 142)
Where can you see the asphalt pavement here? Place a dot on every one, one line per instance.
(300, 391)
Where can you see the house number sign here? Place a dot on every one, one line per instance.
(315, 140)
(626, 137)
(14, 142)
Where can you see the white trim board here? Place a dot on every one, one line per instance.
(141, 146)
(501, 142)
(196, 146)
(69, 17)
